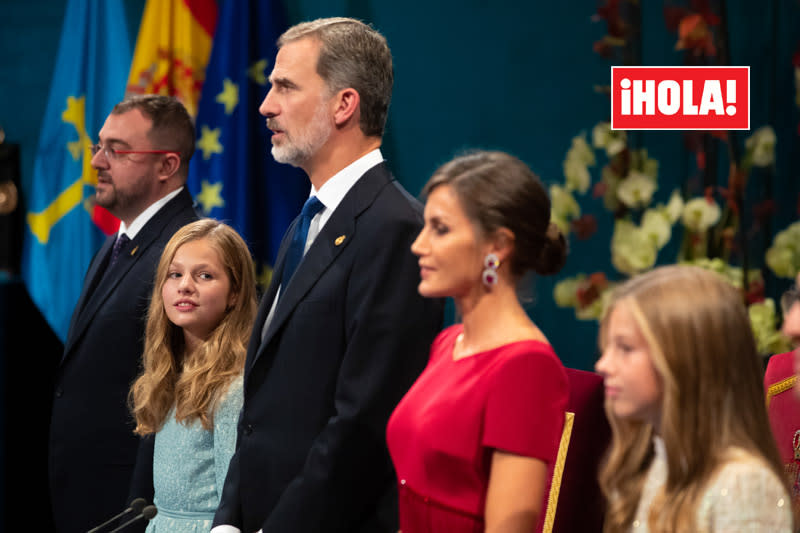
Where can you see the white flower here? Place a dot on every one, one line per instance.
(783, 257)
(731, 274)
(781, 261)
(644, 164)
(632, 250)
(699, 214)
(563, 204)
(763, 321)
(761, 146)
(577, 176)
(674, 206)
(562, 223)
(613, 141)
(565, 291)
(581, 151)
(593, 311)
(656, 225)
(579, 157)
(636, 190)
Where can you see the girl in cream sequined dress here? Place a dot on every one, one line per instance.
(692, 449)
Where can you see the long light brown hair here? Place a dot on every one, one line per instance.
(698, 333)
(194, 382)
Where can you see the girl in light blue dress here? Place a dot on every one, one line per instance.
(190, 391)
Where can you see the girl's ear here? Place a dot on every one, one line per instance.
(231, 300)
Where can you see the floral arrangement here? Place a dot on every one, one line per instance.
(707, 217)
(627, 184)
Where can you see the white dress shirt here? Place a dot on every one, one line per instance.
(145, 216)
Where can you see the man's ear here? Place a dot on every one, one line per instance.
(347, 105)
(169, 166)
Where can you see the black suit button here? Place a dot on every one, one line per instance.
(59, 392)
(248, 429)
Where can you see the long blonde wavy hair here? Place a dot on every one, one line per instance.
(698, 333)
(194, 382)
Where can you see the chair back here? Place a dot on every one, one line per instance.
(575, 502)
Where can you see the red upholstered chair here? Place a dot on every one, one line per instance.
(783, 408)
(575, 502)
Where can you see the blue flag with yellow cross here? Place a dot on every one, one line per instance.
(232, 175)
(64, 228)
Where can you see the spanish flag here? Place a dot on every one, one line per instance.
(173, 48)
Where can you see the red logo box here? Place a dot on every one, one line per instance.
(680, 98)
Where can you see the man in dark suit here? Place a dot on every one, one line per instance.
(339, 340)
(142, 162)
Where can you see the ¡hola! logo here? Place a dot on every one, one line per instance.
(680, 98)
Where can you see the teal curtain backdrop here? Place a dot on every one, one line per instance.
(510, 75)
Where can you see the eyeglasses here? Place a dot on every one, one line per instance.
(112, 154)
(789, 298)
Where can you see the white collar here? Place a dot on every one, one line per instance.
(139, 222)
(335, 189)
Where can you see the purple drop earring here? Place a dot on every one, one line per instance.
(490, 272)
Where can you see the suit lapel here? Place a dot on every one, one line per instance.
(324, 251)
(109, 280)
(93, 275)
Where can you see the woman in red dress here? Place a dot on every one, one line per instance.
(472, 439)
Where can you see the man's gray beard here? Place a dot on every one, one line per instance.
(297, 151)
(289, 155)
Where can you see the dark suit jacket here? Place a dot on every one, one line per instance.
(349, 336)
(92, 447)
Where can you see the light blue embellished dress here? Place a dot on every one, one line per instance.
(190, 465)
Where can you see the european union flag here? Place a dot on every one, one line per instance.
(63, 224)
(232, 175)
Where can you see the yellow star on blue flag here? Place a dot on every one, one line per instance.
(261, 196)
(210, 196)
(258, 71)
(209, 141)
(229, 96)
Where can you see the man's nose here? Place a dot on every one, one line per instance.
(268, 108)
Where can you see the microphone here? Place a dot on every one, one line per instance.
(136, 507)
(147, 513)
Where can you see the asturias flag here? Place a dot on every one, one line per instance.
(232, 174)
(63, 229)
(172, 49)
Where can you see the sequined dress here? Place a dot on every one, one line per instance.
(190, 465)
(744, 496)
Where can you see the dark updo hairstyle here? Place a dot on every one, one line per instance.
(497, 190)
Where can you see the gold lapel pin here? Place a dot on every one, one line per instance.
(134, 251)
(339, 240)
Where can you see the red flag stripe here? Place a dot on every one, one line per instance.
(205, 12)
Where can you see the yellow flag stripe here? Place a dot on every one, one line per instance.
(172, 50)
(41, 223)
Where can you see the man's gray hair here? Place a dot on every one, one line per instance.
(352, 55)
